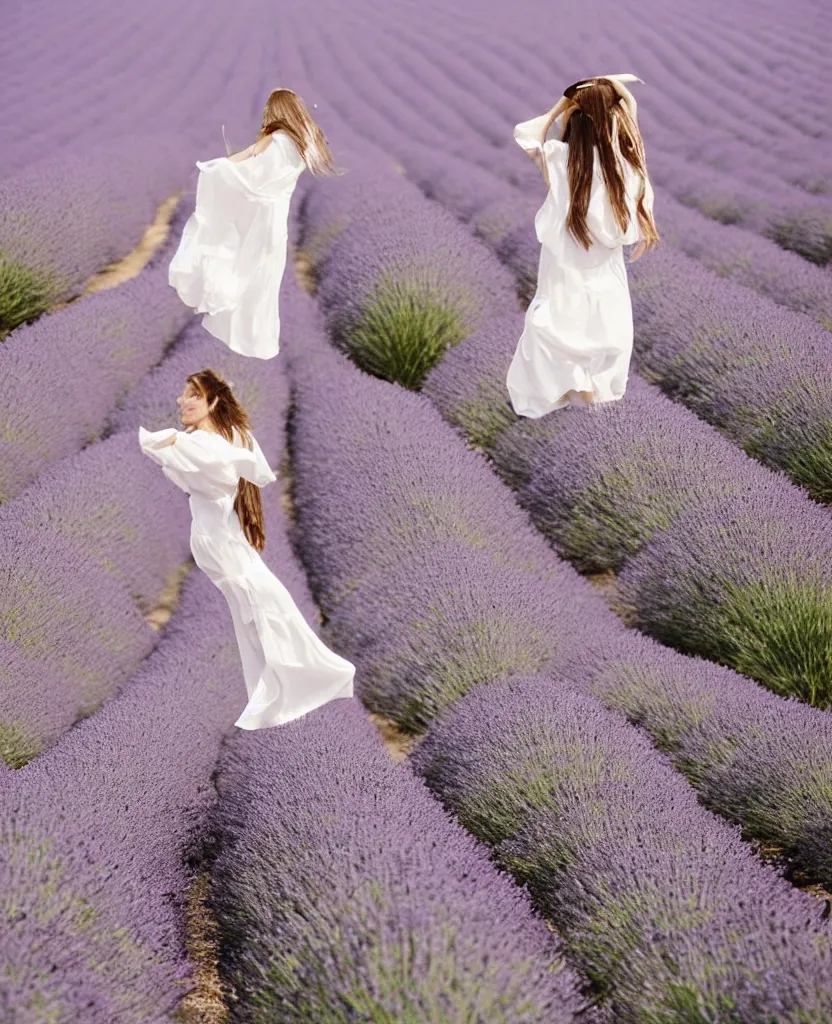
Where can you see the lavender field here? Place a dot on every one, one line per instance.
(587, 776)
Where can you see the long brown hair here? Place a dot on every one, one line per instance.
(286, 112)
(228, 415)
(599, 118)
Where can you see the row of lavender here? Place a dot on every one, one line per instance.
(449, 590)
(182, 70)
(68, 217)
(343, 891)
(641, 487)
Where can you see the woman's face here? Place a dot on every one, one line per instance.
(193, 407)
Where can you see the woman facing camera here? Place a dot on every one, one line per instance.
(216, 460)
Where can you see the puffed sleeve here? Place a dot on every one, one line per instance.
(205, 464)
(236, 204)
(267, 175)
(528, 136)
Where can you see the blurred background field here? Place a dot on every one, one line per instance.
(588, 773)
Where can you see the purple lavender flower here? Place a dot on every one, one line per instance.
(106, 343)
(745, 584)
(341, 881)
(68, 216)
(660, 903)
(73, 631)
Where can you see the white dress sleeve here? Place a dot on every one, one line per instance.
(237, 204)
(527, 135)
(203, 463)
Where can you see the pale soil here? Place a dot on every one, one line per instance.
(134, 262)
(203, 1005)
(305, 271)
(169, 598)
(399, 744)
(606, 584)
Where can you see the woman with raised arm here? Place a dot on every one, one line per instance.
(578, 334)
(232, 254)
(216, 460)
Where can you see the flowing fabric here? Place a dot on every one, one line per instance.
(232, 253)
(288, 670)
(578, 333)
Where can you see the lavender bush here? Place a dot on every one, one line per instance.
(747, 260)
(66, 217)
(63, 375)
(424, 493)
(600, 483)
(60, 612)
(660, 903)
(747, 585)
(748, 366)
(759, 760)
(396, 284)
(344, 892)
(96, 875)
(801, 225)
(116, 506)
(430, 610)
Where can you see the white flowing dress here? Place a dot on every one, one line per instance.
(288, 670)
(232, 253)
(578, 333)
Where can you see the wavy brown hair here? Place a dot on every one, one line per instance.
(286, 112)
(599, 118)
(229, 416)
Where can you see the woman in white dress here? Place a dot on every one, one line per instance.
(288, 670)
(232, 254)
(578, 333)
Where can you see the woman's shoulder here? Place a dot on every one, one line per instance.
(284, 141)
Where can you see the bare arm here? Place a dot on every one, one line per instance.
(253, 150)
(537, 154)
(627, 98)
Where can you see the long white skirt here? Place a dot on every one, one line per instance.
(577, 338)
(288, 669)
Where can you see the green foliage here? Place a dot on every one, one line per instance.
(404, 330)
(811, 466)
(17, 745)
(25, 294)
(778, 632)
